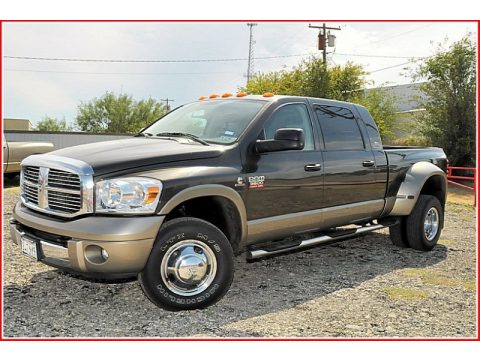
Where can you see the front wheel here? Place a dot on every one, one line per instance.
(190, 266)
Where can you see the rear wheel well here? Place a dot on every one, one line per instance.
(435, 186)
(218, 211)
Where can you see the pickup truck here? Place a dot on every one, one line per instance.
(219, 177)
(14, 152)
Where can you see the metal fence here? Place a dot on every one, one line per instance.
(61, 139)
(452, 179)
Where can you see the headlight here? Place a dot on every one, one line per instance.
(135, 195)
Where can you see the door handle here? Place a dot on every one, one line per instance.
(368, 163)
(313, 167)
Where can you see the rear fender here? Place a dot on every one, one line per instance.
(412, 186)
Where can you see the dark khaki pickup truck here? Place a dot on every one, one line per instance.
(14, 152)
(221, 177)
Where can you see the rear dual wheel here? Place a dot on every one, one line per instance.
(422, 228)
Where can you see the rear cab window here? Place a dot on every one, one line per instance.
(339, 127)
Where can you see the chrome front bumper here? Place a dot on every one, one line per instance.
(77, 244)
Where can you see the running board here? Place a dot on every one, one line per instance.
(257, 253)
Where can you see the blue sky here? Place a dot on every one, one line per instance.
(35, 88)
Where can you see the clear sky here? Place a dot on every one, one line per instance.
(35, 88)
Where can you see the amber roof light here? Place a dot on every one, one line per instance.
(202, 98)
(268, 94)
(213, 96)
(242, 94)
(225, 95)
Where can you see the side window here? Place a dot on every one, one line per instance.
(340, 129)
(374, 136)
(291, 116)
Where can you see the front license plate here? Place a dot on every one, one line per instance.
(29, 248)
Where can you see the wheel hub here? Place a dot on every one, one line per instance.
(188, 267)
(191, 269)
(431, 224)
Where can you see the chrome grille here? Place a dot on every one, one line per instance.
(63, 179)
(59, 186)
(31, 193)
(30, 173)
(65, 202)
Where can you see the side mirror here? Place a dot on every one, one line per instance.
(284, 139)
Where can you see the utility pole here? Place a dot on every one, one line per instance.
(250, 52)
(325, 39)
(167, 100)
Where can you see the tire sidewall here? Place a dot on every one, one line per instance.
(431, 202)
(179, 230)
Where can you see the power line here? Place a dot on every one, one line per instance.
(119, 73)
(394, 66)
(397, 35)
(378, 56)
(148, 61)
(192, 60)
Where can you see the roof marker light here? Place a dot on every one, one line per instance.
(268, 94)
(202, 98)
(225, 95)
(242, 94)
(213, 96)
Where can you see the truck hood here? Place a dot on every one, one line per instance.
(117, 155)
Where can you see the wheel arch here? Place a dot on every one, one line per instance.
(226, 210)
(423, 178)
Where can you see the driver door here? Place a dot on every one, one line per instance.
(286, 182)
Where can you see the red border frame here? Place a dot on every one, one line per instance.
(2, 338)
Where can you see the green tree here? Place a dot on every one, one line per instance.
(118, 114)
(313, 78)
(382, 107)
(52, 124)
(450, 86)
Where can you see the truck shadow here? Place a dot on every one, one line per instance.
(11, 180)
(75, 306)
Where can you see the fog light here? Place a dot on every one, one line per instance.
(104, 254)
(95, 254)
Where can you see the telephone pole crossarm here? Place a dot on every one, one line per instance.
(322, 38)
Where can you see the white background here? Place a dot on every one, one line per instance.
(245, 10)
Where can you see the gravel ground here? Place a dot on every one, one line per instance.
(359, 288)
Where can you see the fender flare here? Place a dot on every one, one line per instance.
(412, 185)
(210, 190)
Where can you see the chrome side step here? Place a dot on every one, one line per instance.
(253, 254)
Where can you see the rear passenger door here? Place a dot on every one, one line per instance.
(350, 192)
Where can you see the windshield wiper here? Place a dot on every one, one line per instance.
(145, 134)
(181, 134)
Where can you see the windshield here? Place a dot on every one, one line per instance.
(217, 121)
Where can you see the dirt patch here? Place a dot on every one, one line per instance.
(364, 287)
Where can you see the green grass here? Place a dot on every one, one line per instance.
(405, 294)
(438, 278)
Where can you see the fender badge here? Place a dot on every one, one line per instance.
(256, 182)
(240, 182)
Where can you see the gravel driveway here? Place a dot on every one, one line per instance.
(359, 288)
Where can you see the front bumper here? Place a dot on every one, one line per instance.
(76, 245)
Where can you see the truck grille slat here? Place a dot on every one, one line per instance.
(60, 200)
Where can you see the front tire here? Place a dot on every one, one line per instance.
(190, 266)
(425, 223)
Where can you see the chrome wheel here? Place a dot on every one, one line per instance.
(188, 267)
(431, 224)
